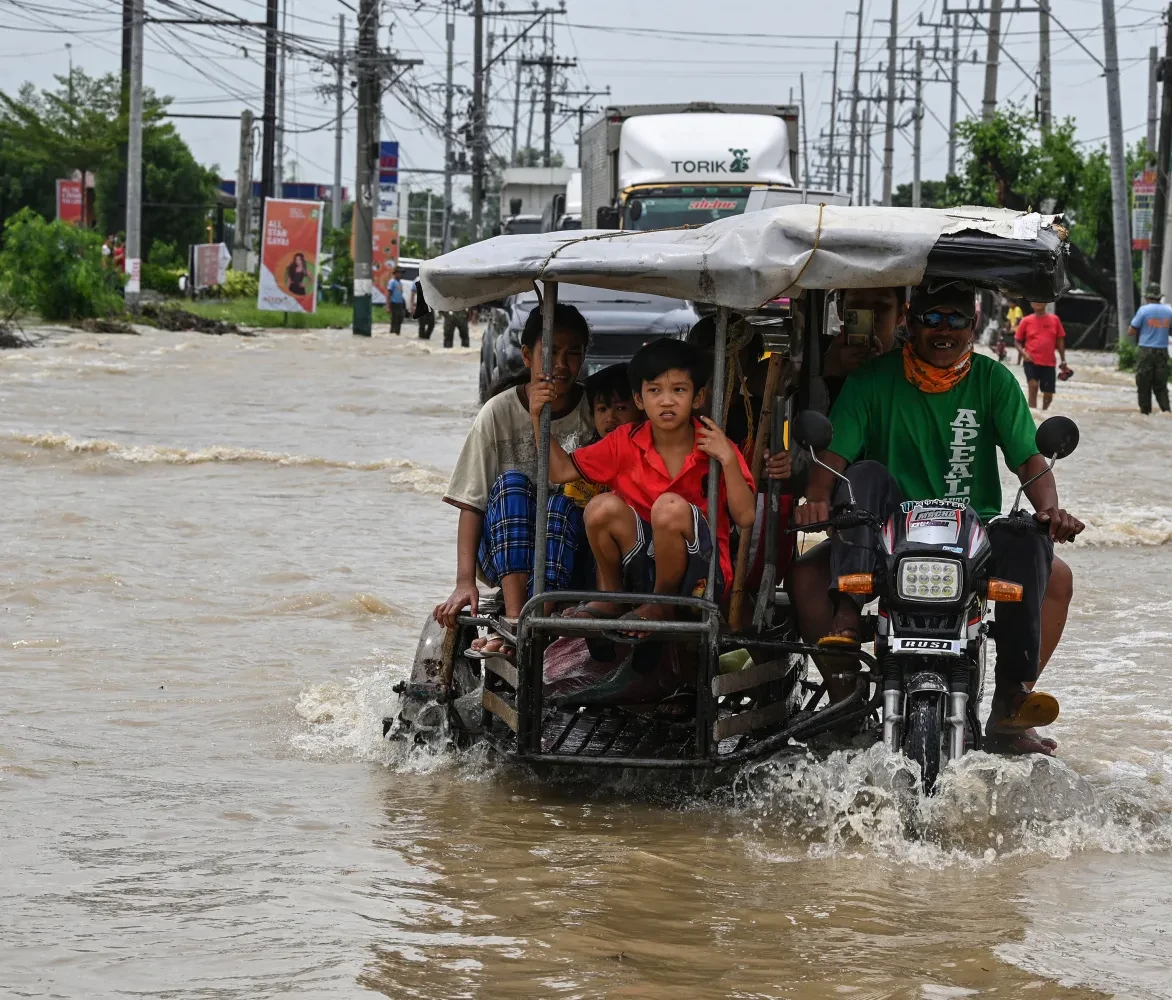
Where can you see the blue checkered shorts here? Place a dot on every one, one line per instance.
(510, 531)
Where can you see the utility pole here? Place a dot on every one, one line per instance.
(477, 116)
(123, 104)
(133, 164)
(516, 112)
(548, 64)
(954, 95)
(866, 185)
(1153, 100)
(336, 208)
(805, 136)
(243, 195)
(1123, 279)
(831, 162)
(446, 229)
(989, 103)
(268, 150)
(889, 129)
(1045, 117)
(1163, 152)
(280, 130)
(850, 163)
(366, 162)
(918, 125)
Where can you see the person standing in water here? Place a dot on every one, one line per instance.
(1042, 339)
(1150, 329)
(396, 301)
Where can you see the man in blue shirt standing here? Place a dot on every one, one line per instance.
(397, 301)
(1150, 328)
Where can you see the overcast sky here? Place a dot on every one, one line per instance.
(645, 50)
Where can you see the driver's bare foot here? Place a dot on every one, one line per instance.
(647, 613)
(593, 609)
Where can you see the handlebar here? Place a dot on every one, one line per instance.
(839, 522)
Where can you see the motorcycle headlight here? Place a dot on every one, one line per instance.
(929, 579)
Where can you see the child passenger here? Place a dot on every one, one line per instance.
(609, 394)
(650, 535)
(493, 482)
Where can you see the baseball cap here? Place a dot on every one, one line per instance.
(937, 292)
(1152, 291)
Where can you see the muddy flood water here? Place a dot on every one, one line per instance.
(215, 560)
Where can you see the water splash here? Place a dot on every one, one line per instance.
(403, 472)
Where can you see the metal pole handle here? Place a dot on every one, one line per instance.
(548, 305)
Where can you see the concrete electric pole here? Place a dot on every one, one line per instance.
(243, 195)
(889, 127)
(850, 162)
(269, 146)
(1119, 189)
(446, 228)
(953, 96)
(831, 168)
(133, 164)
(918, 125)
(340, 85)
(1045, 116)
(366, 164)
(477, 117)
(1163, 152)
(989, 103)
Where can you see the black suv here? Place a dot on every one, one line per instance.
(620, 323)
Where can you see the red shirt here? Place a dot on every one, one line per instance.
(627, 462)
(1039, 335)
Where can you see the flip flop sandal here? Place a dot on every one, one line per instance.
(602, 650)
(625, 638)
(1036, 709)
(506, 651)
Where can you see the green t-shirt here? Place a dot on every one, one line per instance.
(936, 445)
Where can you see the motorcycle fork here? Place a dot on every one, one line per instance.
(958, 699)
(893, 699)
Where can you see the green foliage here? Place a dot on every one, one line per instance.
(933, 194)
(160, 278)
(56, 270)
(244, 313)
(241, 285)
(1127, 354)
(336, 243)
(164, 254)
(45, 135)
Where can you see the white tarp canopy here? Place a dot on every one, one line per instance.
(741, 262)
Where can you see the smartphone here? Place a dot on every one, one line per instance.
(858, 327)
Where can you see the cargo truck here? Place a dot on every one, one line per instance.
(657, 166)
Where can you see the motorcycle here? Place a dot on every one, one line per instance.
(934, 591)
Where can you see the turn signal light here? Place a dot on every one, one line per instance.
(856, 583)
(1003, 590)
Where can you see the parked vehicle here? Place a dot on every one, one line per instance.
(656, 166)
(620, 323)
(741, 712)
(564, 209)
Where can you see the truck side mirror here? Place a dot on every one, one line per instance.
(608, 217)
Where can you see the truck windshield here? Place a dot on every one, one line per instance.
(663, 211)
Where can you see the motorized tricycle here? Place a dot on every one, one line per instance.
(746, 706)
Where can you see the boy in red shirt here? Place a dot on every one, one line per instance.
(651, 534)
(1038, 337)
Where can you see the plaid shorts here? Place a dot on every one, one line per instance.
(639, 561)
(510, 532)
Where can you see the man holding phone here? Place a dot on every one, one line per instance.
(871, 320)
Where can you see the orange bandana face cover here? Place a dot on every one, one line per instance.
(928, 378)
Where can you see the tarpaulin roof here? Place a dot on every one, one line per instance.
(746, 260)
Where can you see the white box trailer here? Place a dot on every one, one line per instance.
(661, 165)
(525, 194)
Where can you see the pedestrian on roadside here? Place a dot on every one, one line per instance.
(455, 320)
(396, 301)
(1150, 329)
(1039, 337)
(426, 322)
(1014, 317)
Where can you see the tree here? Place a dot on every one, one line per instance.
(46, 134)
(933, 194)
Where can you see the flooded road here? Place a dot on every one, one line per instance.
(216, 557)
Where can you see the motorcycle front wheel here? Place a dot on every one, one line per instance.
(923, 739)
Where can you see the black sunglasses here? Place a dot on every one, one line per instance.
(934, 319)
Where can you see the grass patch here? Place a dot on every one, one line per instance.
(245, 313)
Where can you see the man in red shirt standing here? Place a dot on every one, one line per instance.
(1039, 337)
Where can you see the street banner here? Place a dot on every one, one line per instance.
(1143, 200)
(133, 276)
(384, 256)
(69, 204)
(290, 246)
(388, 162)
(388, 201)
(211, 264)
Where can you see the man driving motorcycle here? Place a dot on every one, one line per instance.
(926, 423)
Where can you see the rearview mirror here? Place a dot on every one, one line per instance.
(813, 430)
(607, 217)
(1057, 437)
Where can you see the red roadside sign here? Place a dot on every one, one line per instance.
(69, 201)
